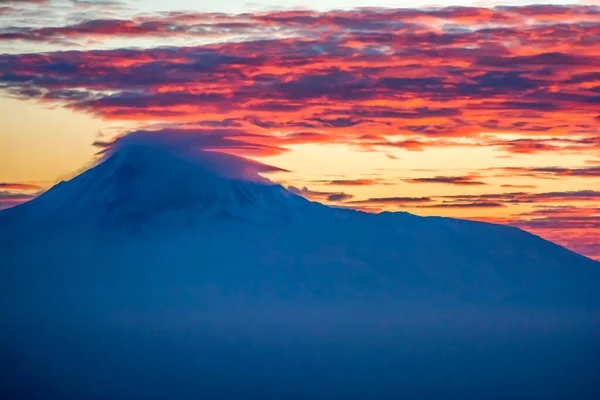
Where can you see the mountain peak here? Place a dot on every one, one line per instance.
(154, 158)
(139, 184)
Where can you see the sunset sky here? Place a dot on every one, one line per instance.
(470, 109)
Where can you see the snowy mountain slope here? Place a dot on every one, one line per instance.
(139, 183)
(156, 276)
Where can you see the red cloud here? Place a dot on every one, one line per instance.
(416, 83)
(19, 186)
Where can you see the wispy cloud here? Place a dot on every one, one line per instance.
(467, 180)
(19, 186)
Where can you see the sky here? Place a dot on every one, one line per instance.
(479, 110)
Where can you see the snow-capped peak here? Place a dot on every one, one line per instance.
(139, 183)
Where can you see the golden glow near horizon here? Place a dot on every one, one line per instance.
(44, 144)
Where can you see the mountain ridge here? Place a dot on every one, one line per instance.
(142, 185)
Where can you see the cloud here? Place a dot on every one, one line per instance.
(215, 150)
(333, 197)
(466, 205)
(367, 78)
(575, 227)
(337, 197)
(528, 198)
(351, 182)
(19, 186)
(586, 172)
(450, 180)
(485, 200)
(423, 202)
(396, 201)
(552, 145)
(372, 26)
(23, 2)
(513, 186)
(14, 193)
(190, 140)
(10, 196)
(98, 27)
(546, 172)
(94, 3)
(560, 222)
(10, 199)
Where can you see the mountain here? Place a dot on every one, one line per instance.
(155, 275)
(140, 183)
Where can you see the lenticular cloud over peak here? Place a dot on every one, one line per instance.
(206, 151)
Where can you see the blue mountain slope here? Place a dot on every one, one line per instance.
(152, 276)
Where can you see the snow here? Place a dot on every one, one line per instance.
(139, 183)
(154, 276)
